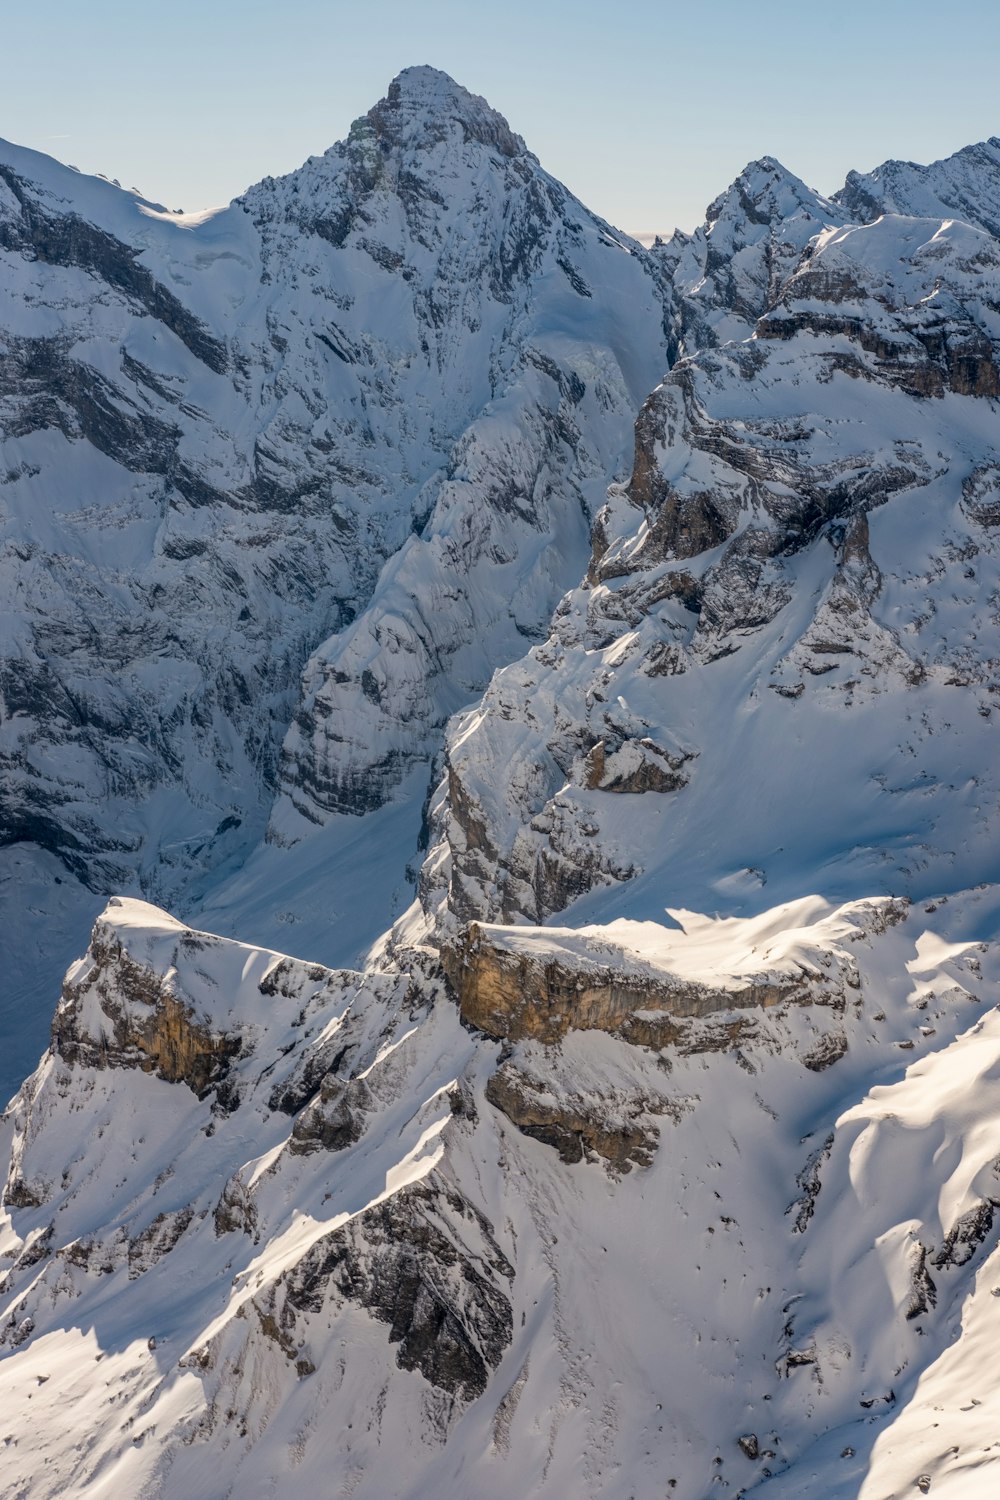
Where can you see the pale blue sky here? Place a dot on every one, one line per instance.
(646, 110)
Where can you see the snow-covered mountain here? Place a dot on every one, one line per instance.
(651, 1150)
(272, 1226)
(966, 185)
(283, 486)
(729, 271)
(805, 557)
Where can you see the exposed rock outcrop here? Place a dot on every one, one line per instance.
(578, 1126)
(636, 766)
(140, 1020)
(410, 1262)
(334, 1119)
(515, 986)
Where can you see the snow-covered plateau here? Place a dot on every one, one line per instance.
(584, 658)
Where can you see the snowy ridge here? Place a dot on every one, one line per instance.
(966, 184)
(835, 1275)
(731, 269)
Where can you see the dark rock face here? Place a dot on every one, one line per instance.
(681, 526)
(636, 766)
(406, 1262)
(303, 1084)
(685, 522)
(157, 1240)
(966, 1235)
(333, 1120)
(928, 363)
(152, 1028)
(827, 1051)
(981, 495)
(575, 1127)
(19, 1194)
(514, 994)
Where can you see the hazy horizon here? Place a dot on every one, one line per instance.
(645, 120)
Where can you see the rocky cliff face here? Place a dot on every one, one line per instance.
(172, 1041)
(543, 983)
(965, 186)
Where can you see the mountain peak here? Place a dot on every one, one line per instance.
(766, 192)
(966, 185)
(425, 84)
(423, 106)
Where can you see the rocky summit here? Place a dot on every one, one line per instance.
(514, 711)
